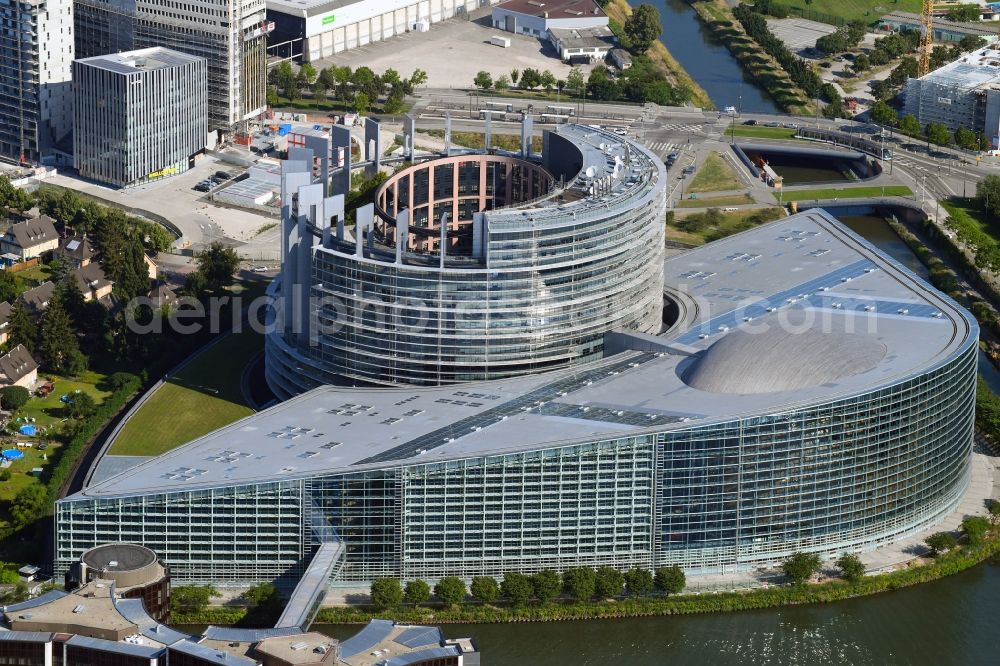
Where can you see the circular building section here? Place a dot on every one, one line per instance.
(537, 260)
(136, 571)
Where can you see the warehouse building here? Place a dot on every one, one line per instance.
(943, 30)
(139, 115)
(326, 27)
(537, 17)
(963, 93)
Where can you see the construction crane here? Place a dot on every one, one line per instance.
(926, 37)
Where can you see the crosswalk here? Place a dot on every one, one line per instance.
(662, 148)
(680, 127)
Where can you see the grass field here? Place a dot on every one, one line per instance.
(202, 397)
(706, 226)
(846, 193)
(708, 202)
(761, 132)
(714, 175)
(477, 140)
(866, 10)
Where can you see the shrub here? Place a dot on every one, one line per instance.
(386, 593)
(638, 582)
(669, 580)
(799, 567)
(546, 585)
(975, 528)
(484, 589)
(579, 583)
(191, 598)
(14, 397)
(516, 588)
(450, 590)
(417, 592)
(939, 542)
(851, 567)
(608, 582)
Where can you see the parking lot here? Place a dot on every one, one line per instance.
(451, 53)
(798, 34)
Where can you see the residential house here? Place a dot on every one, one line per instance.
(93, 283)
(30, 239)
(18, 368)
(5, 309)
(38, 298)
(163, 296)
(75, 252)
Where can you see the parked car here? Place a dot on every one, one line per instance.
(621, 131)
(688, 170)
(750, 122)
(223, 175)
(673, 156)
(790, 125)
(773, 123)
(204, 186)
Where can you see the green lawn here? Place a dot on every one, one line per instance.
(758, 132)
(477, 140)
(708, 202)
(698, 228)
(38, 274)
(202, 397)
(846, 193)
(968, 209)
(865, 10)
(715, 175)
(48, 411)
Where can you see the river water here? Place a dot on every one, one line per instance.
(951, 621)
(708, 61)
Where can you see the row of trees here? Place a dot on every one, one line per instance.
(580, 584)
(360, 88)
(801, 72)
(844, 38)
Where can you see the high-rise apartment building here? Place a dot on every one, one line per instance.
(229, 34)
(139, 115)
(36, 57)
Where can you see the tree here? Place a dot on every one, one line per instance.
(515, 74)
(483, 80)
(22, 329)
(450, 590)
(940, 542)
(883, 114)
(191, 599)
(851, 567)
(971, 43)
(966, 138)
(263, 595)
(319, 89)
(530, 78)
(502, 83)
(580, 583)
(11, 286)
(638, 582)
(643, 27)
(418, 78)
(669, 580)
(965, 13)
(575, 80)
(937, 134)
(608, 582)
(975, 528)
(14, 397)
(799, 567)
(217, 265)
(393, 105)
(81, 405)
(994, 509)
(909, 125)
(361, 103)
(484, 589)
(308, 73)
(28, 505)
(386, 593)
(417, 592)
(546, 585)
(58, 346)
(516, 588)
(861, 63)
(548, 80)
(987, 192)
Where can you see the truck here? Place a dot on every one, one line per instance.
(502, 42)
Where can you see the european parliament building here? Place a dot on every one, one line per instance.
(809, 394)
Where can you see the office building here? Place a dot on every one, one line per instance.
(229, 34)
(475, 266)
(36, 54)
(138, 116)
(313, 29)
(963, 93)
(810, 395)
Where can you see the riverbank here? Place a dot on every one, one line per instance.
(717, 16)
(619, 11)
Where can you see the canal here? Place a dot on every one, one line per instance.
(708, 61)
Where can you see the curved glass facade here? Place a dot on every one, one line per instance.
(537, 291)
(850, 473)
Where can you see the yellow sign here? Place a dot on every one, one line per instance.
(166, 171)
